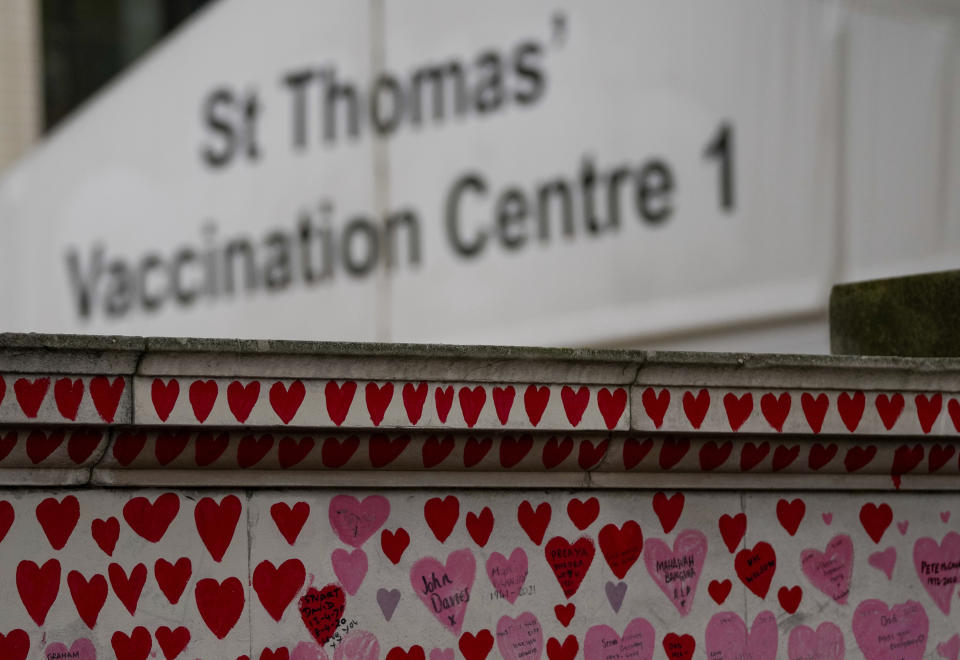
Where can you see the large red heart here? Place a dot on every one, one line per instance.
(321, 611)
(668, 509)
(164, 397)
(30, 394)
(621, 546)
(286, 401)
(277, 586)
(105, 533)
(612, 405)
(172, 578)
(220, 604)
(755, 567)
(216, 523)
(471, 403)
(106, 396)
(339, 398)
(68, 394)
(414, 397)
(695, 407)
(732, 529)
(790, 514)
(41, 444)
(534, 522)
(476, 647)
(15, 645)
(58, 519)
(583, 513)
(394, 543)
(151, 520)
(126, 588)
(535, 400)
(441, 515)
(574, 403)
(241, 398)
(875, 519)
(679, 647)
(851, 409)
(203, 394)
(88, 596)
(172, 642)
(289, 520)
(136, 646)
(480, 526)
(775, 409)
(569, 561)
(378, 398)
(38, 587)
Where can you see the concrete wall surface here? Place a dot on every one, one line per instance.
(165, 498)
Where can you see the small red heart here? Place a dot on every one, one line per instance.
(384, 450)
(566, 651)
(128, 587)
(732, 529)
(815, 409)
(939, 456)
(534, 522)
(790, 514)
(655, 404)
(151, 520)
(821, 455)
(574, 403)
(169, 445)
(775, 409)
(556, 451)
(277, 586)
(738, 408)
(535, 401)
(208, 447)
(216, 523)
(172, 578)
(672, 451)
(906, 458)
(88, 596)
(713, 456)
(289, 520)
(397, 653)
(286, 401)
(30, 394)
(202, 395)
(220, 604)
(719, 590)
(679, 647)
(291, 452)
(394, 543)
(564, 613)
(82, 444)
(441, 515)
(480, 526)
(444, 401)
(68, 394)
(58, 518)
(635, 450)
(696, 407)
(755, 567)
(241, 398)
(106, 396)
(851, 409)
(752, 455)
(928, 410)
(414, 397)
(790, 598)
(172, 642)
(378, 398)
(471, 403)
(784, 456)
(583, 513)
(858, 457)
(475, 450)
(503, 402)
(105, 533)
(335, 453)
(569, 561)
(621, 546)
(590, 455)
(612, 405)
(40, 444)
(668, 509)
(339, 398)
(128, 446)
(136, 646)
(435, 450)
(512, 450)
(164, 397)
(38, 587)
(889, 408)
(875, 519)
(476, 647)
(251, 449)
(321, 611)
(15, 645)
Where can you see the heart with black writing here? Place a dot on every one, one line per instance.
(321, 611)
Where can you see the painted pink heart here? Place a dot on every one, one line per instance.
(677, 571)
(355, 521)
(949, 649)
(350, 568)
(441, 654)
(82, 649)
(727, 637)
(508, 575)
(520, 638)
(603, 643)
(830, 571)
(824, 644)
(885, 561)
(445, 590)
(358, 645)
(938, 567)
(308, 651)
(902, 526)
(897, 633)
(827, 518)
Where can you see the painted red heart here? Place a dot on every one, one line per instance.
(738, 408)
(202, 395)
(679, 647)
(151, 520)
(339, 398)
(752, 455)
(68, 394)
(621, 546)
(814, 409)
(851, 409)
(696, 407)
(128, 587)
(321, 611)
(279, 654)
(441, 515)
(82, 444)
(569, 561)
(276, 586)
(556, 451)
(241, 398)
(172, 642)
(136, 646)
(384, 449)
(534, 521)
(41, 444)
(414, 397)
(394, 543)
(889, 408)
(435, 450)
(38, 587)
(378, 398)
(821, 455)
(216, 523)
(220, 604)
(7, 442)
(471, 403)
(169, 445)
(127, 446)
(476, 647)
(397, 653)
(105, 533)
(503, 402)
(859, 457)
(784, 456)
(719, 590)
(566, 651)
(30, 394)
(7, 517)
(513, 450)
(672, 451)
(755, 567)
(164, 396)
(635, 450)
(286, 401)
(790, 598)
(590, 455)
(208, 447)
(732, 529)
(480, 526)
(713, 456)
(251, 449)
(290, 521)
(928, 410)
(790, 514)
(574, 403)
(172, 578)
(612, 405)
(937, 459)
(535, 400)
(775, 409)
(291, 452)
(443, 397)
(953, 407)
(906, 458)
(875, 519)
(335, 453)
(564, 613)
(655, 404)
(106, 396)
(88, 596)
(583, 513)
(58, 518)
(15, 645)
(475, 450)
(668, 509)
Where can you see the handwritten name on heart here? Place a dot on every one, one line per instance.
(321, 611)
(520, 638)
(355, 521)
(82, 649)
(677, 571)
(727, 637)
(637, 643)
(569, 561)
(445, 589)
(826, 643)
(508, 575)
(938, 567)
(830, 571)
(887, 633)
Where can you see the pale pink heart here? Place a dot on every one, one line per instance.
(603, 643)
(520, 638)
(81, 649)
(828, 518)
(508, 575)
(355, 521)
(938, 567)
(885, 561)
(308, 651)
(727, 637)
(824, 644)
(445, 590)
(883, 633)
(902, 526)
(830, 571)
(950, 649)
(358, 645)
(945, 516)
(350, 567)
(441, 654)
(677, 571)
